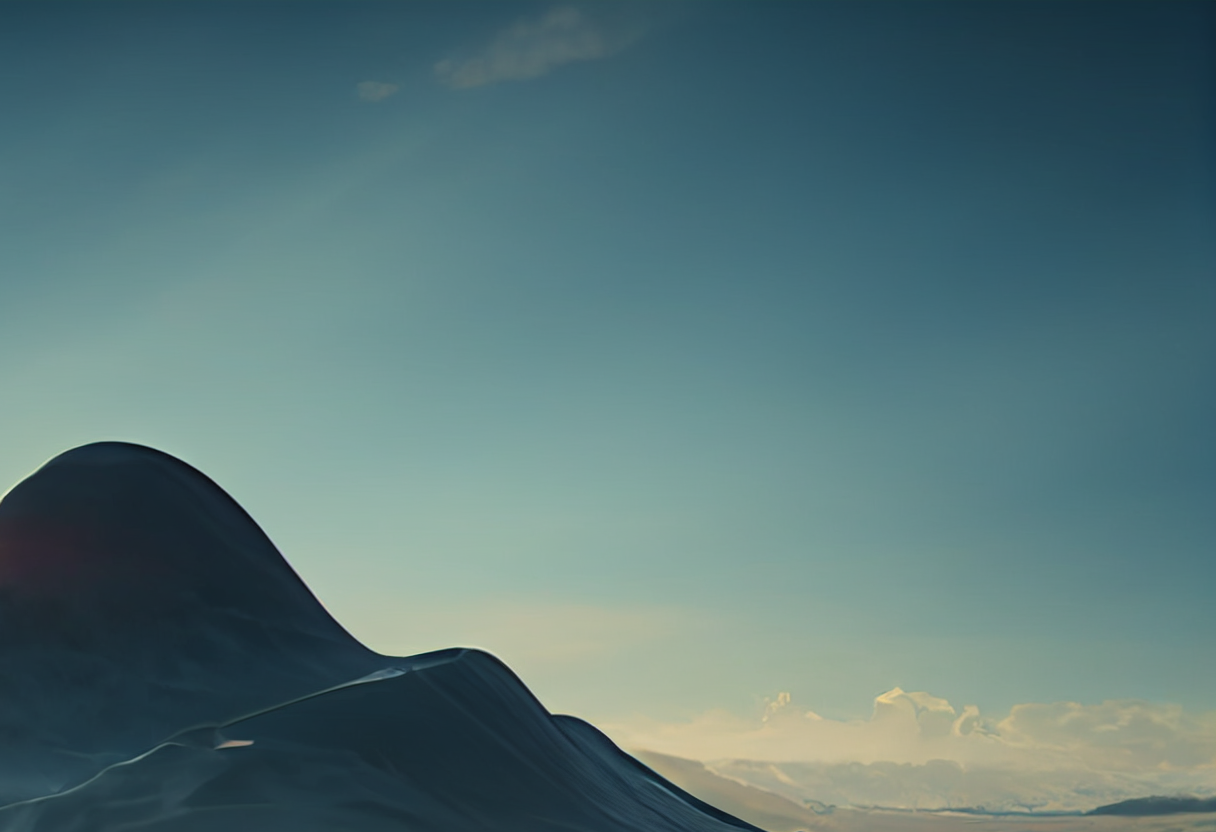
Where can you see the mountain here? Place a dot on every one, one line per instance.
(163, 668)
(1158, 805)
(136, 599)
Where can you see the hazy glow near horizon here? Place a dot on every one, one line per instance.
(681, 354)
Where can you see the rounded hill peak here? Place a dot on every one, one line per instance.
(125, 528)
(126, 573)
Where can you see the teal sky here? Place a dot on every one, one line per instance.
(678, 353)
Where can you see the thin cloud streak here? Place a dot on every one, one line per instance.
(531, 634)
(374, 90)
(532, 48)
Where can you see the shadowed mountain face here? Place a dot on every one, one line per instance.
(136, 599)
(162, 666)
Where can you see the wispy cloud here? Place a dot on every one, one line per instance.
(527, 634)
(531, 48)
(917, 750)
(374, 90)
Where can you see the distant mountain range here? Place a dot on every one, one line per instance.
(944, 785)
(162, 668)
(1158, 805)
(778, 812)
(763, 808)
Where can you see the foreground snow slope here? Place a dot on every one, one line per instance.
(456, 743)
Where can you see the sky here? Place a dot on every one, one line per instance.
(688, 356)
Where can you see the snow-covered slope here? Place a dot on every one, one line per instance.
(163, 668)
(455, 744)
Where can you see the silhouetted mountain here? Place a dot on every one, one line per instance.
(1158, 805)
(136, 599)
(163, 668)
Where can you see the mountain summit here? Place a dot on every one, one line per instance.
(137, 598)
(163, 667)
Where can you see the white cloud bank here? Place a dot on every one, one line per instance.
(918, 751)
(531, 48)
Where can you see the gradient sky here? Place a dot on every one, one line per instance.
(680, 354)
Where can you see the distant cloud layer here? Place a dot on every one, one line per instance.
(916, 750)
(374, 90)
(531, 48)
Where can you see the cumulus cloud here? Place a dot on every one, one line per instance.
(918, 751)
(1127, 736)
(374, 90)
(531, 48)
